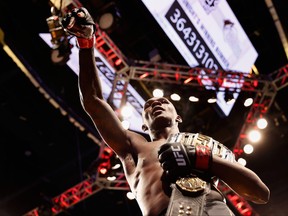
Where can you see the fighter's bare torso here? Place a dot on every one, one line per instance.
(144, 174)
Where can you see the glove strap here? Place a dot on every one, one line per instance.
(203, 157)
(86, 43)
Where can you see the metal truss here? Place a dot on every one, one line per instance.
(79, 192)
(196, 76)
(280, 77)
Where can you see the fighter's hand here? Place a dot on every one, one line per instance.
(79, 22)
(179, 160)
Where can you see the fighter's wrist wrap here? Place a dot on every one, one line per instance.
(203, 160)
(86, 43)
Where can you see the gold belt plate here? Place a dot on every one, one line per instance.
(191, 185)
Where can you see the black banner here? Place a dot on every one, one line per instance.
(191, 37)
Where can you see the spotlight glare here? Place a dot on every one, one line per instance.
(130, 195)
(254, 136)
(248, 102)
(248, 148)
(158, 93)
(103, 170)
(111, 178)
(126, 111)
(242, 161)
(175, 97)
(193, 99)
(116, 166)
(212, 100)
(262, 123)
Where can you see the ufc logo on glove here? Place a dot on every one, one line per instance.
(178, 156)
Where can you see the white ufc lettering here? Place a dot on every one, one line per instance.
(178, 155)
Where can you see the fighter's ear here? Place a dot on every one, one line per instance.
(179, 119)
(144, 127)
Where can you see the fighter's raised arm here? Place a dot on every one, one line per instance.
(79, 22)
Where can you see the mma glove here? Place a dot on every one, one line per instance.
(178, 160)
(79, 23)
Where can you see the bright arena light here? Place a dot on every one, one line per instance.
(212, 100)
(193, 99)
(158, 93)
(130, 195)
(262, 123)
(175, 97)
(242, 161)
(248, 102)
(126, 111)
(248, 148)
(111, 178)
(116, 166)
(254, 136)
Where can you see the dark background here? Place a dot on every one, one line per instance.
(42, 152)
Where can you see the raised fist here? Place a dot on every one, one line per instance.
(79, 22)
(179, 160)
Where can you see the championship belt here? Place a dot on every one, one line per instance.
(218, 149)
(189, 193)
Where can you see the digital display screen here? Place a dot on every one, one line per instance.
(207, 34)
